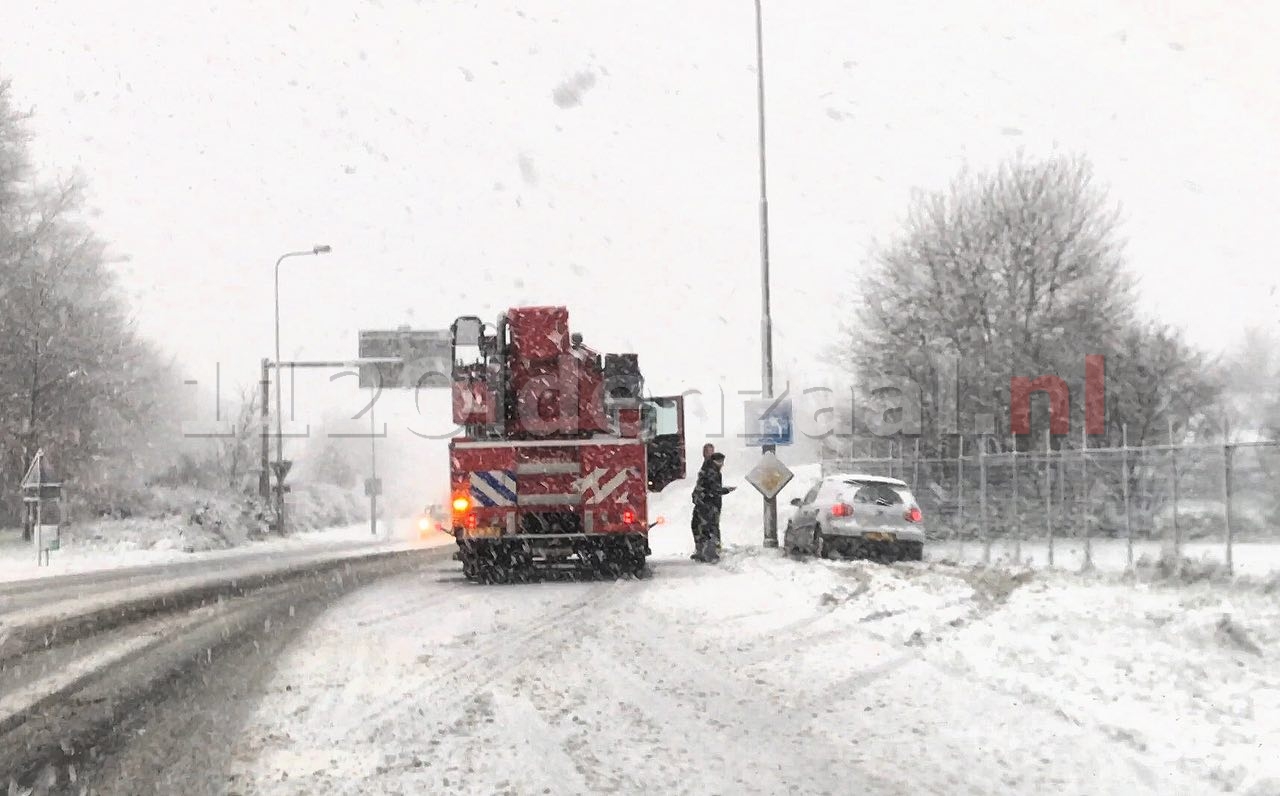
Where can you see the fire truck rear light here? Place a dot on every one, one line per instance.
(470, 521)
(461, 504)
(628, 517)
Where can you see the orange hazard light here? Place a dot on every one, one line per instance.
(461, 504)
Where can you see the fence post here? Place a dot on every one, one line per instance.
(1177, 531)
(1048, 491)
(1124, 474)
(1227, 451)
(1017, 507)
(982, 499)
(1084, 484)
(960, 501)
(915, 468)
(1062, 489)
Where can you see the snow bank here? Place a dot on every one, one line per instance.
(182, 524)
(1175, 668)
(193, 520)
(1258, 560)
(1182, 677)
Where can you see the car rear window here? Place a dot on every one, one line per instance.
(878, 493)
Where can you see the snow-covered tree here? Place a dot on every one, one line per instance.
(1014, 272)
(334, 463)
(75, 378)
(1251, 373)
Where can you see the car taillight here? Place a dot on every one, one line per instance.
(913, 514)
(628, 517)
(842, 510)
(461, 504)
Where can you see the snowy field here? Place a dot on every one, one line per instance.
(18, 559)
(767, 675)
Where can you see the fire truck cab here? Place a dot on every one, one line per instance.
(558, 452)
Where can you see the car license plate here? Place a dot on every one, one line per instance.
(879, 537)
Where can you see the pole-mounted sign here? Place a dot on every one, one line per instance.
(42, 495)
(769, 422)
(425, 359)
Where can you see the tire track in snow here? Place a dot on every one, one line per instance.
(408, 708)
(700, 696)
(546, 657)
(452, 680)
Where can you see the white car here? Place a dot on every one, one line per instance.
(857, 515)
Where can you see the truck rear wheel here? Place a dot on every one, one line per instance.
(633, 552)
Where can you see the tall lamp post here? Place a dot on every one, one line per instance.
(314, 250)
(766, 319)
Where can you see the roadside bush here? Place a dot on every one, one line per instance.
(315, 506)
(194, 519)
(1168, 568)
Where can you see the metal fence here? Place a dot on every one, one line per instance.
(1094, 506)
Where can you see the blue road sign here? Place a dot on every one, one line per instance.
(769, 422)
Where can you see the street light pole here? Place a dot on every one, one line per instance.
(320, 249)
(766, 319)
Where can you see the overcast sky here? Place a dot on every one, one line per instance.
(465, 157)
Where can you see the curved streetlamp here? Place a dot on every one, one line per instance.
(314, 250)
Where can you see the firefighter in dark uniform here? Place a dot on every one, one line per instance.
(707, 496)
(707, 451)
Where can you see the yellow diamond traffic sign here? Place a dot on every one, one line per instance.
(769, 476)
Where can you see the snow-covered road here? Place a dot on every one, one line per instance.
(92, 562)
(766, 675)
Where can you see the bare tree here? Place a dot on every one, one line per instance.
(1013, 272)
(237, 452)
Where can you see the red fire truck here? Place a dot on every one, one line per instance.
(559, 451)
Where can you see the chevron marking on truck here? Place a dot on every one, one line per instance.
(593, 491)
(494, 487)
